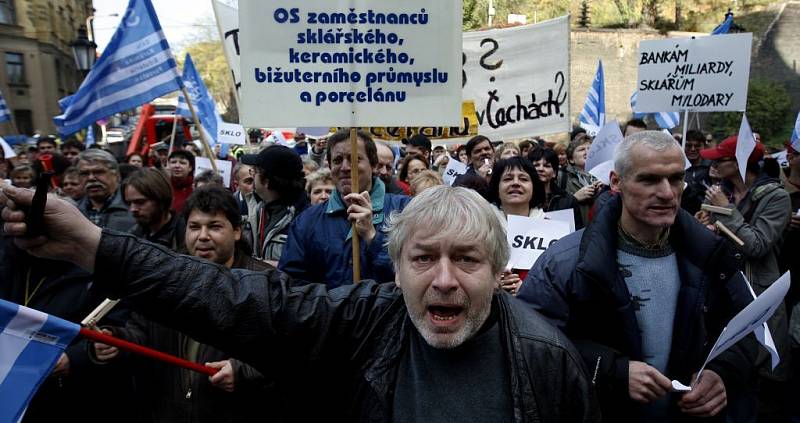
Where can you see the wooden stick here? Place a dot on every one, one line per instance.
(147, 352)
(355, 190)
(724, 229)
(685, 127)
(98, 313)
(172, 135)
(203, 139)
(716, 209)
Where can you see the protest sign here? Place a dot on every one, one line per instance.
(453, 170)
(529, 237)
(603, 171)
(231, 133)
(223, 166)
(518, 79)
(745, 144)
(602, 148)
(700, 74)
(749, 319)
(567, 216)
(228, 25)
(376, 63)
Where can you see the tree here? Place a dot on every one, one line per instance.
(583, 19)
(768, 112)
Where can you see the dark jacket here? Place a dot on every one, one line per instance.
(697, 182)
(562, 200)
(577, 285)
(62, 289)
(319, 248)
(349, 340)
(172, 235)
(276, 217)
(114, 216)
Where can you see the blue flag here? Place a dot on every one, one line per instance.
(725, 26)
(796, 134)
(665, 120)
(136, 67)
(593, 115)
(201, 99)
(30, 345)
(5, 114)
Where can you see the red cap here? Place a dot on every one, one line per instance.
(727, 148)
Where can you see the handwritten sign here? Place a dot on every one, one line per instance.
(528, 238)
(375, 63)
(231, 133)
(228, 25)
(453, 170)
(700, 74)
(224, 166)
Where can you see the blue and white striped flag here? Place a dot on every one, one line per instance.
(5, 114)
(795, 141)
(136, 67)
(30, 345)
(593, 115)
(201, 100)
(725, 26)
(665, 120)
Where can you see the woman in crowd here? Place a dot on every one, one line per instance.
(424, 180)
(545, 161)
(412, 165)
(319, 186)
(134, 159)
(461, 154)
(505, 151)
(515, 189)
(575, 179)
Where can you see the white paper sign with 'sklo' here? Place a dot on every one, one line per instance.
(529, 237)
(706, 74)
(231, 133)
(453, 170)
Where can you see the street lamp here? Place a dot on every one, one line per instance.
(84, 51)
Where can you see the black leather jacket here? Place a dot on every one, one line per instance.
(348, 341)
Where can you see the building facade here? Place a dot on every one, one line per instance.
(38, 66)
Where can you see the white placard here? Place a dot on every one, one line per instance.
(567, 216)
(603, 171)
(369, 63)
(699, 74)
(231, 133)
(518, 79)
(781, 158)
(602, 148)
(223, 166)
(529, 237)
(228, 25)
(745, 144)
(453, 170)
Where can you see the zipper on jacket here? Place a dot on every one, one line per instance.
(189, 393)
(596, 369)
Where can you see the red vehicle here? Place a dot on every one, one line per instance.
(153, 128)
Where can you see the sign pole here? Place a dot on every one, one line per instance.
(172, 135)
(203, 135)
(685, 126)
(355, 189)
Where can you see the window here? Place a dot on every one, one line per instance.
(7, 13)
(15, 68)
(24, 121)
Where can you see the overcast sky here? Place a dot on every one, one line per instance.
(179, 19)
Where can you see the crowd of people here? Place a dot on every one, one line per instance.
(255, 278)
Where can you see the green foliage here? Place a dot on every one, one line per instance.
(769, 110)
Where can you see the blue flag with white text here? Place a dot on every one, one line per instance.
(30, 344)
(593, 115)
(201, 100)
(136, 67)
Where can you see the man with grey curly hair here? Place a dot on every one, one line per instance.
(644, 290)
(441, 344)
